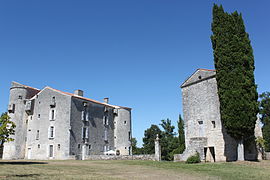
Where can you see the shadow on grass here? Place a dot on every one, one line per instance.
(24, 175)
(21, 162)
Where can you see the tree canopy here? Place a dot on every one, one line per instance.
(234, 64)
(7, 128)
(265, 118)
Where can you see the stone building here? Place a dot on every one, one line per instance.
(52, 124)
(204, 132)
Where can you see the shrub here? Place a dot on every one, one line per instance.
(194, 159)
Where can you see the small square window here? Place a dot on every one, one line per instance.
(214, 124)
(38, 145)
(125, 122)
(200, 122)
(58, 146)
(20, 97)
(38, 115)
(79, 146)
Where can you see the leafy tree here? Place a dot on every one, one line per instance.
(234, 64)
(7, 128)
(265, 118)
(149, 139)
(168, 141)
(135, 150)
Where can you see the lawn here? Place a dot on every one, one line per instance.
(132, 170)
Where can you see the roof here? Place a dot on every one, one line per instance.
(73, 95)
(203, 74)
(14, 82)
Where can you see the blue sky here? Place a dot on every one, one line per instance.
(137, 53)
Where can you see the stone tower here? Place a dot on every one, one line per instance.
(123, 131)
(19, 96)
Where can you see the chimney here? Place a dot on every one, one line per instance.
(106, 100)
(78, 92)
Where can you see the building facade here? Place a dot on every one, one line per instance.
(204, 132)
(51, 124)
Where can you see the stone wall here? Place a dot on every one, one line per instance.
(149, 157)
(267, 155)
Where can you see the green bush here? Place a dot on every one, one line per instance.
(194, 159)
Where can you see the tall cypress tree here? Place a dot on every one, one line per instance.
(234, 63)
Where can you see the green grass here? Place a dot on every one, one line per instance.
(132, 170)
(225, 170)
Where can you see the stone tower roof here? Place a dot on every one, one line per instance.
(198, 76)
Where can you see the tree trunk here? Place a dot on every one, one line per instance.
(240, 151)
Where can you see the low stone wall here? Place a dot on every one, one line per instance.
(267, 155)
(149, 157)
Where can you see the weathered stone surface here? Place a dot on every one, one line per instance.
(150, 157)
(202, 120)
(79, 125)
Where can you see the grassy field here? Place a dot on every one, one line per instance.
(132, 170)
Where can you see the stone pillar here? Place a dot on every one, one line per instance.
(83, 151)
(157, 149)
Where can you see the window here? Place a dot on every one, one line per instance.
(51, 151)
(129, 135)
(105, 135)
(58, 146)
(37, 136)
(125, 122)
(85, 132)
(38, 146)
(105, 120)
(20, 97)
(83, 116)
(52, 114)
(200, 122)
(38, 115)
(51, 132)
(79, 146)
(214, 124)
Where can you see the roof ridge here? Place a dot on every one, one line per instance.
(26, 86)
(88, 99)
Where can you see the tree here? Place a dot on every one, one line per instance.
(168, 141)
(135, 150)
(149, 139)
(7, 128)
(234, 64)
(265, 118)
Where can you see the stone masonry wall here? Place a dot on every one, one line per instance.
(149, 157)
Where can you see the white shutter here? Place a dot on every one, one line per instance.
(49, 132)
(87, 116)
(82, 118)
(82, 133)
(50, 115)
(105, 135)
(54, 118)
(86, 133)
